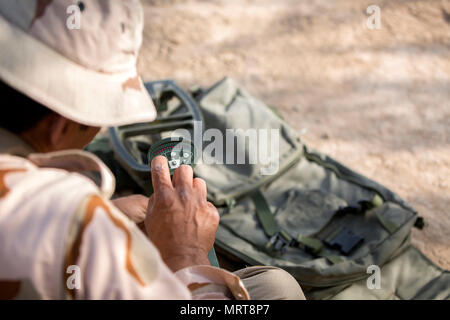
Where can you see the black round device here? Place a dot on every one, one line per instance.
(177, 150)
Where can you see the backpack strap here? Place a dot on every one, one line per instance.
(279, 239)
(265, 216)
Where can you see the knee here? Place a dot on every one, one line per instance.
(272, 284)
(285, 287)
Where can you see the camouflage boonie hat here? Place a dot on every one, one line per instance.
(76, 57)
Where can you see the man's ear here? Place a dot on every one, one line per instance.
(58, 127)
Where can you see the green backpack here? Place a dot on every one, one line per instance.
(315, 218)
(304, 212)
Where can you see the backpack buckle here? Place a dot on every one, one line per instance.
(344, 240)
(279, 242)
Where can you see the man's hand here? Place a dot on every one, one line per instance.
(134, 206)
(180, 222)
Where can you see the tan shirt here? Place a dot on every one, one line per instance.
(61, 237)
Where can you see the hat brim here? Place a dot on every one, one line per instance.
(77, 93)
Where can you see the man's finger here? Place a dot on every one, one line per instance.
(151, 202)
(200, 185)
(160, 174)
(182, 177)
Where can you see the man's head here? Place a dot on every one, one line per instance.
(65, 82)
(42, 128)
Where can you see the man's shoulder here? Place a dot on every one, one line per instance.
(29, 182)
(37, 207)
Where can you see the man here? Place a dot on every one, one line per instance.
(61, 236)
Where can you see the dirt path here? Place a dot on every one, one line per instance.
(377, 100)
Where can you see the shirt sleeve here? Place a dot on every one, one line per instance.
(108, 257)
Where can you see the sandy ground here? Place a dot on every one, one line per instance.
(377, 100)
